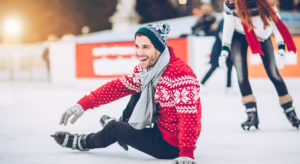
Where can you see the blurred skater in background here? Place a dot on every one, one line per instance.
(251, 23)
(214, 59)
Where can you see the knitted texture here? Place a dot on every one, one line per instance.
(177, 94)
(233, 23)
(282, 34)
(157, 33)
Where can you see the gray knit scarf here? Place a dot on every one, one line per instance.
(145, 108)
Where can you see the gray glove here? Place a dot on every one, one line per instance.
(75, 110)
(184, 160)
(105, 119)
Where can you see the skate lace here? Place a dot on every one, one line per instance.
(66, 140)
(253, 109)
(289, 110)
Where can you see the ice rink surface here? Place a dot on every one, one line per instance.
(30, 112)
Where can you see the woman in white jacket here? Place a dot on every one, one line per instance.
(251, 23)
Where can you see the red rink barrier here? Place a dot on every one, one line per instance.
(114, 59)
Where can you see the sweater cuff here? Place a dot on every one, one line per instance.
(225, 48)
(281, 46)
(187, 152)
(85, 103)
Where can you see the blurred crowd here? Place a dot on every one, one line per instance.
(290, 5)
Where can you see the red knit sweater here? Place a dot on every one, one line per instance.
(177, 94)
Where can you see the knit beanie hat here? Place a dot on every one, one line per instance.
(157, 33)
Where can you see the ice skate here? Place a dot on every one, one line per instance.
(292, 117)
(252, 119)
(73, 141)
(104, 120)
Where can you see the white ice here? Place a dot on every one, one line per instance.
(30, 112)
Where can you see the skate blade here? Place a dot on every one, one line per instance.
(248, 128)
(124, 146)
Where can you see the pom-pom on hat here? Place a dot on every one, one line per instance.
(157, 33)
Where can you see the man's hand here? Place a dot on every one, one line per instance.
(281, 60)
(75, 110)
(184, 160)
(222, 58)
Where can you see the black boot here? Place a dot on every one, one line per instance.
(104, 120)
(252, 119)
(290, 113)
(292, 117)
(73, 141)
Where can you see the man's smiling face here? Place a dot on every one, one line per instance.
(145, 51)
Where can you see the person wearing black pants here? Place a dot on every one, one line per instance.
(215, 53)
(239, 48)
(148, 140)
(163, 116)
(251, 23)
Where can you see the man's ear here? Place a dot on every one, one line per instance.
(158, 52)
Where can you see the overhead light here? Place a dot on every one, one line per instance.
(12, 26)
(182, 2)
